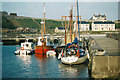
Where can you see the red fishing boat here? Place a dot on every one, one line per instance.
(43, 44)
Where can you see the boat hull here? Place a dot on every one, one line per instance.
(24, 52)
(42, 49)
(73, 60)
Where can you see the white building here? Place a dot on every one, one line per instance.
(59, 29)
(83, 26)
(98, 17)
(103, 26)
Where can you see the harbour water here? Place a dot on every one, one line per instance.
(14, 66)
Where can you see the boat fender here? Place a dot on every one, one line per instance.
(62, 53)
(78, 53)
(22, 48)
(71, 46)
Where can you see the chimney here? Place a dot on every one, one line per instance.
(99, 14)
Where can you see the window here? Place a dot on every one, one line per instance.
(44, 39)
(95, 28)
(41, 40)
(26, 45)
(86, 29)
(102, 28)
(83, 29)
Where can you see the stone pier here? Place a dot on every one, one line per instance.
(107, 66)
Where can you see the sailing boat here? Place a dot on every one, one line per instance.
(73, 53)
(43, 44)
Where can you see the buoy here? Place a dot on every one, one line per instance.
(22, 48)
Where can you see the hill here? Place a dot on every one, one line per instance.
(12, 22)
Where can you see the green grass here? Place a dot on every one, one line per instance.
(28, 23)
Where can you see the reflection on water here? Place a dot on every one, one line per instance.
(37, 66)
(26, 59)
(73, 71)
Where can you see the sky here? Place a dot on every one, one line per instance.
(57, 8)
(59, 0)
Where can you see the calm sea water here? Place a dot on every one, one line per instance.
(14, 66)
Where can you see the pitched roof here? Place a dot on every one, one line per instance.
(83, 22)
(104, 22)
(99, 15)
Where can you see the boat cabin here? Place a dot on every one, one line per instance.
(44, 42)
(27, 45)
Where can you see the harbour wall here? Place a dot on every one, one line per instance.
(105, 66)
(14, 41)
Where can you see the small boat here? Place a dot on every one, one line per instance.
(73, 55)
(100, 52)
(51, 53)
(26, 48)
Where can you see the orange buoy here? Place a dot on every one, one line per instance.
(22, 48)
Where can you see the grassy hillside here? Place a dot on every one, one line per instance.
(7, 23)
(50, 24)
(12, 22)
(27, 23)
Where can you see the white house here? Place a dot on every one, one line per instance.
(59, 29)
(83, 26)
(103, 26)
(98, 17)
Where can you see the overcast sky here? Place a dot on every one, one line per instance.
(57, 8)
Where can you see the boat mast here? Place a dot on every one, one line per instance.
(42, 29)
(77, 18)
(43, 23)
(44, 18)
(65, 33)
(65, 29)
(71, 15)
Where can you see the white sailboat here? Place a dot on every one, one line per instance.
(73, 54)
